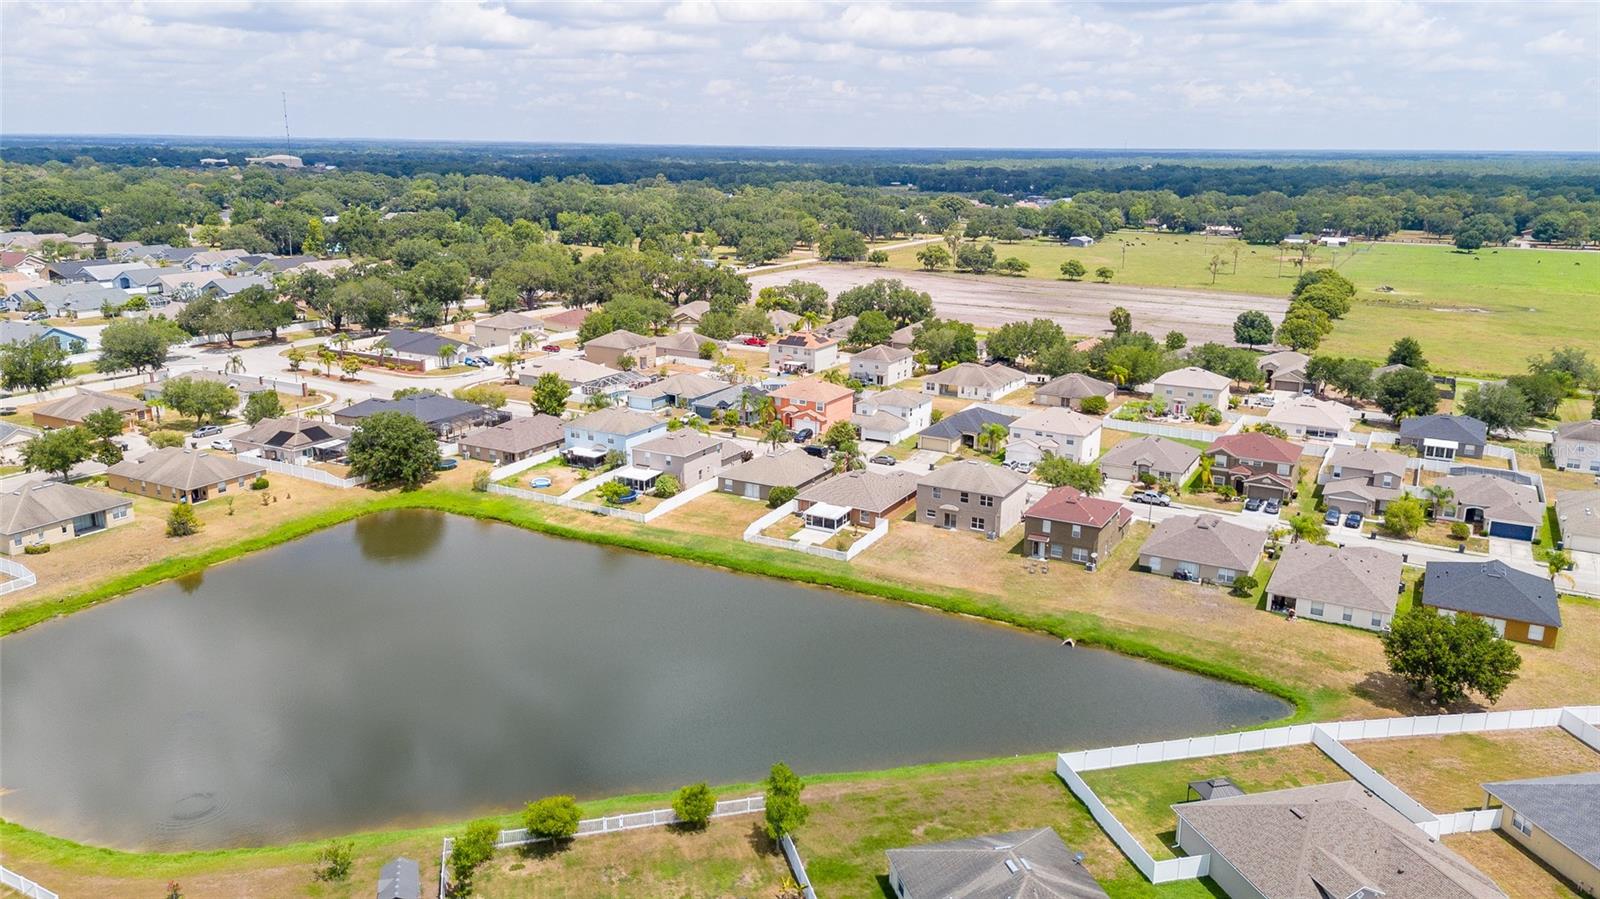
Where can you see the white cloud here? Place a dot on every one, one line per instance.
(1558, 42)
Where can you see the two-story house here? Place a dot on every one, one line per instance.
(1066, 523)
(1053, 431)
(970, 495)
(890, 416)
(1255, 465)
(1577, 446)
(813, 404)
(588, 440)
(611, 349)
(1357, 479)
(803, 351)
(1185, 388)
(686, 454)
(882, 366)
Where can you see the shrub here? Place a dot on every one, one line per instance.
(474, 847)
(36, 549)
(165, 439)
(785, 811)
(612, 492)
(260, 483)
(480, 482)
(694, 804)
(181, 521)
(1094, 405)
(667, 486)
(1244, 585)
(780, 495)
(1460, 530)
(552, 818)
(334, 860)
(1147, 478)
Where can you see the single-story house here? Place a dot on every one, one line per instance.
(1285, 370)
(686, 454)
(685, 345)
(581, 375)
(746, 398)
(1578, 513)
(1520, 606)
(138, 280)
(1255, 465)
(1067, 523)
(444, 415)
(803, 351)
(1080, 240)
(756, 478)
(422, 347)
(783, 321)
(813, 404)
(611, 349)
(1071, 390)
(231, 287)
(53, 511)
(1053, 431)
(674, 391)
(514, 440)
(890, 416)
(506, 329)
(244, 385)
(27, 332)
(1026, 864)
(904, 337)
(971, 381)
(1306, 417)
(1167, 460)
(566, 320)
(882, 366)
(839, 329)
(400, 878)
(1357, 479)
(589, 439)
(972, 495)
(964, 428)
(1577, 446)
(1354, 585)
(70, 411)
(1444, 437)
(1557, 820)
(1204, 548)
(292, 440)
(1185, 388)
(1497, 506)
(1333, 839)
(182, 475)
(689, 314)
(860, 498)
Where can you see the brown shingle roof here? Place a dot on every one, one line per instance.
(1206, 540)
(1361, 577)
(519, 435)
(976, 477)
(1071, 505)
(85, 403)
(185, 469)
(45, 503)
(865, 490)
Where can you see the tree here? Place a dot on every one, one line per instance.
(1025, 342)
(1499, 406)
(872, 327)
(1175, 340)
(993, 436)
(33, 365)
(1012, 266)
(878, 257)
(1437, 495)
(393, 448)
(1327, 296)
(694, 804)
(335, 858)
(182, 522)
(777, 496)
(326, 358)
(1121, 321)
(1403, 517)
(785, 811)
(1058, 471)
(1407, 351)
(1093, 405)
(137, 344)
(903, 305)
(842, 245)
(198, 400)
(56, 452)
(1557, 561)
(1308, 527)
(1252, 328)
(1073, 270)
(975, 258)
(1244, 585)
(1405, 392)
(552, 818)
(668, 486)
(1481, 229)
(1303, 328)
(1543, 390)
(350, 365)
(296, 357)
(550, 394)
(1104, 274)
(934, 257)
(470, 850)
(261, 405)
(1449, 656)
(314, 243)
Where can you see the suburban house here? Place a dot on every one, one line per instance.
(589, 439)
(1166, 460)
(1185, 388)
(784, 321)
(292, 440)
(418, 350)
(244, 385)
(1202, 548)
(1356, 479)
(803, 351)
(183, 475)
(686, 454)
(1444, 437)
(971, 495)
(903, 338)
(506, 329)
(860, 498)
(890, 416)
(1066, 523)
(27, 332)
(1072, 390)
(689, 314)
(964, 428)
(68, 300)
(581, 375)
(1577, 446)
(611, 349)
(1496, 506)
(1026, 864)
(1520, 606)
(514, 440)
(744, 398)
(971, 381)
(1285, 370)
(1333, 839)
(565, 320)
(674, 392)
(839, 329)
(53, 511)
(1053, 431)
(1308, 418)
(1354, 585)
(683, 346)
(1556, 820)
(882, 366)
(70, 411)
(756, 478)
(1578, 513)
(813, 404)
(1254, 464)
(444, 415)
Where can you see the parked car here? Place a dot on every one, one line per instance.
(223, 444)
(883, 460)
(755, 341)
(484, 361)
(550, 348)
(1332, 518)
(36, 316)
(445, 464)
(803, 434)
(1271, 507)
(8, 410)
(1353, 520)
(1152, 498)
(1253, 504)
(469, 361)
(205, 431)
(818, 450)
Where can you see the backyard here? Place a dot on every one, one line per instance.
(1444, 773)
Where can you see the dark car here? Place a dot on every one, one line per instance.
(1353, 520)
(1252, 504)
(1272, 506)
(818, 450)
(883, 460)
(803, 434)
(1332, 518)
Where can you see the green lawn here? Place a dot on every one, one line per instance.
(1484, 312)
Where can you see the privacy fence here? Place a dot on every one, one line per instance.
(24, 886)
(570, 500)
(18, 577)
(752, 534)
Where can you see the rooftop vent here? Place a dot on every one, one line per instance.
(1011, 866)
(1025, 864)
(1297, 812)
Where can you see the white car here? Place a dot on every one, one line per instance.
(223, 444)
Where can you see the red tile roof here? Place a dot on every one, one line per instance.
(1070, 505)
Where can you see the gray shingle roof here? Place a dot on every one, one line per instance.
(968, 421)
(1157, 453)
(1492, 589)
(1500, 499)
(1026, 864)
(971, 374)
(619, 340)
(1566, 807)
(423, 343)
(519, 435)
(1075, 387)
(866, 490)
(1206, 540)
(881, 353)
(1359, 577)
(615, 420)
(788, 469)
(429, 408)
(1580, 430)
(973, 476)
(1460, 428)
(292, 433)
(185, 469)
(45, 503)
(1579, 513)
(85, 402)
(682, 442)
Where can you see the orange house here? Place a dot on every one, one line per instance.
(813, 403)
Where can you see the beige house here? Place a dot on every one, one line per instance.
(70, 411)
(1556, 820)
(1308, 418)
(971, 381)
(292, 440)
(610, 349)
(970, 495)
(53, 512)
(1202, 548)
(1053, 431)
(1285, 370)
(514, 440)
(689, 314)
(1578, 512)
(1185, 388)
(857, 497)
(882, 366)
(1353, 585)
(1356, 479)
(183, 475)
(506, 329)
(687, 454)
(1166, 460)
(1577, 447)
(1071, 390)
(1496, 506)
(757, 478)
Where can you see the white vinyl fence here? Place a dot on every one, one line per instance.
(24, 886)
(797, 866)
(20, 577)
(569, 499)
(1145, 427)
(752, 534)
(304, 472)
(518, 467)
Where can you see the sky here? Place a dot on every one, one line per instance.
(1236, 74)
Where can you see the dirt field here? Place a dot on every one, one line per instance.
(1081, 307)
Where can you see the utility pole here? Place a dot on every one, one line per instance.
(287, 148)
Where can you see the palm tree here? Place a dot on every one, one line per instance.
(326, 357)
(382, 347)
(525, 341)
(1118, 375)
(767, 410)
(447, 351)
(744, 405)
(993, 436)
(340, 340)
(509, 361)
(775, 434)
(156, 403)
(235, 363)
(1438, 495)
(811, 319)
(598, 400)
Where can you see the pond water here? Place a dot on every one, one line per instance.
(412, 667)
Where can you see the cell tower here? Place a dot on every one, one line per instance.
(287, 148)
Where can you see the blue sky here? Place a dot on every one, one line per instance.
(1322, 75)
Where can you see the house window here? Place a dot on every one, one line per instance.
(1044, 526)
(1498, 624)
(931, 515)
(1377, 620)
(1077, 530)
(1079, 554)
(1521, 824)
(986, 501)
(1535, 632)
(1055, 550)
(1348, 616)
(1316, 610)
(1226, 575)
(979, 524)
(965, 497)
(1283, 469)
